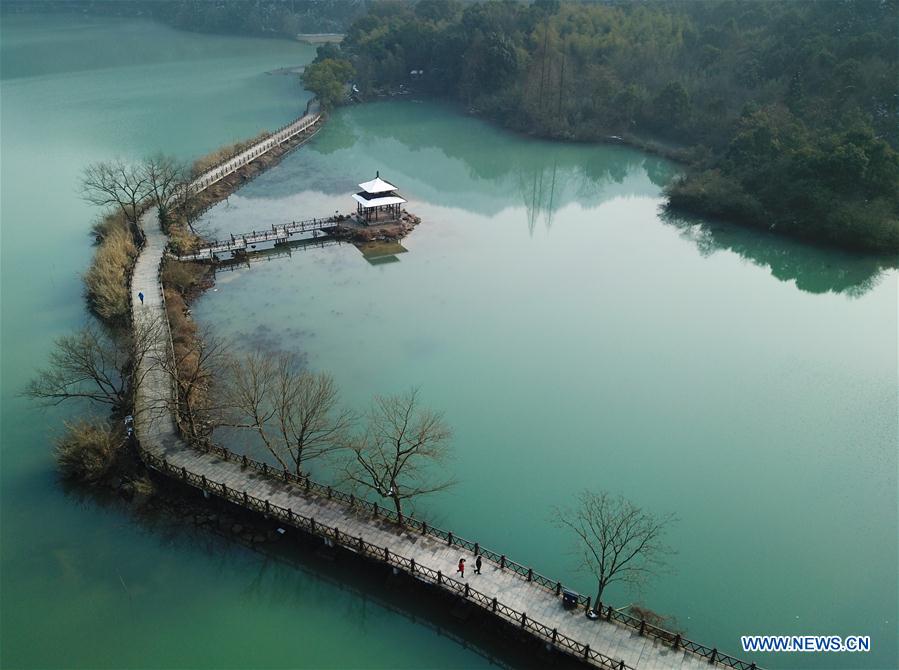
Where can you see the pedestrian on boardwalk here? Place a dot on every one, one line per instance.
(477, 565)
(461, 568)
(140, 294)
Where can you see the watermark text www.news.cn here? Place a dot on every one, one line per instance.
(800, 643)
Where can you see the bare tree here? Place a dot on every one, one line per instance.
(165, 177)
(117, 184)
(618, 541)
(199, 365)
(94, 365)
(295, 412)
(402, 444)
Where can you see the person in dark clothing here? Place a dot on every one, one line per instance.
(140, 295)
(477, 566)
(461, 568)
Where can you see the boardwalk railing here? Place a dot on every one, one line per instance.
(228, 165)
(358, 545)
(675, 640)
(277, 233)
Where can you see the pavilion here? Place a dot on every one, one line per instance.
(378, 201)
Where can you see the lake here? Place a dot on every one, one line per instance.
(573, 335)
(86, 584)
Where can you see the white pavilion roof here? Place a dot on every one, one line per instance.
(377, 185)
(378, 202)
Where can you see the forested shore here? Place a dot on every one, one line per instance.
(784, 112)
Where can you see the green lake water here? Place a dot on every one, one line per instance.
(573, 336)
(84, 584)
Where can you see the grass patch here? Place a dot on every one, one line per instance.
(106, 280)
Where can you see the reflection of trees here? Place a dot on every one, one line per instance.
(815, 269)
(547, 175)
(339, 135)
(537, 188)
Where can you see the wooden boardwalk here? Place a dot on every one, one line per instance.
(431, 556)
(257, 241)
(279, 137)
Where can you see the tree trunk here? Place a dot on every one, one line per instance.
(398, 504)
(596, 603)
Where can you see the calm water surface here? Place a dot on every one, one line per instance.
(577, 339)
(83, 584)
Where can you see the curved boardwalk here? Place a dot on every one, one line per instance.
(510, 595)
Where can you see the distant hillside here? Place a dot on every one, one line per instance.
(275, 18)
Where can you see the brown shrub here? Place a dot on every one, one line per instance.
(105, 225)
(182, 277)
(106, 279)
(88, 450)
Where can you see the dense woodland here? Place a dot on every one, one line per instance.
(273, 18)
(784, 111)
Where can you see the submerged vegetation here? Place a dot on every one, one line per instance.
(784, 111)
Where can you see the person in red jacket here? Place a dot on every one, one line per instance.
(461, 568)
